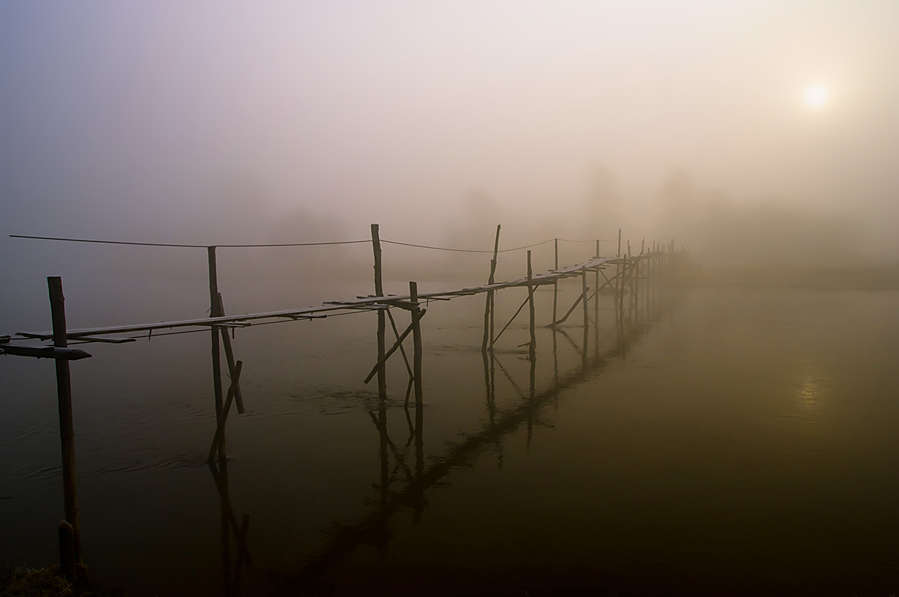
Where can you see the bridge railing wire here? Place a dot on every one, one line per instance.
(312, 244)
(145, 244)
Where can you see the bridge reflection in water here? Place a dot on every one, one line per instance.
(406, 475)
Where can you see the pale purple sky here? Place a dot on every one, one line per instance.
(123, 119)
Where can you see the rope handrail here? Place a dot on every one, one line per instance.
(602, 240)
(393, 242)
(312, 244)
(146, 244)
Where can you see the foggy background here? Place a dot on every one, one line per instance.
(300, 122)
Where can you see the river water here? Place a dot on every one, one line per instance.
(726, 441)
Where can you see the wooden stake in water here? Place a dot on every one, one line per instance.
(555, 282)
(584, 289)
(66, 422)
(216, 358)
(532, 350)
(488, 309)
(618, 270)
(382, 324)
(596, 294)
(416, 343)
(229, 356)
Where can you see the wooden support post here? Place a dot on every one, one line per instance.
(216, 358)
(618, 270)
(397, 345)
(382, 323)
(532, 350)
(596, 295)
(66, 550)
(556, 282)
(637, 267)
(488, 309)
(586, 317)
(629, 278)
(229, 356)
(584, 289)
(582, 297)
(505, 327)
(641, 270)
(396, 334)
(66, 419)
(416, 343)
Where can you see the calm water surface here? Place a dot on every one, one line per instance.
(733, 442)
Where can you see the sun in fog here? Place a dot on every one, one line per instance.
(817, 96)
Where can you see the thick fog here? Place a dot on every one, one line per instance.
(746, 131)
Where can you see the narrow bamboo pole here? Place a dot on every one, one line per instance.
(397, 345)
(618, 272)
(584, 289)
(569, 312)
(416, 342)
(229, 356)
(505, 327)
(396, 334)
(382, 323)
(532, 346)
(216, 357)
(488, 308)
(629, 278)
(596, 295)
(635, 297)
(556, 282)
(66, 423)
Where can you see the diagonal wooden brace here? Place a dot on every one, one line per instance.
(402, 350)
(393, 349)
(511, 320)
(571, 310)
(229, 356)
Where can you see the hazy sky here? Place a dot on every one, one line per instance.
(133, 120)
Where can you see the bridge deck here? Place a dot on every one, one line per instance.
(366, 303)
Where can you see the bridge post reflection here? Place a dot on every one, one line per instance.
(395, 496)
(230, 569)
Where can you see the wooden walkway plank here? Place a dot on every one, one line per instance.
(332, 307)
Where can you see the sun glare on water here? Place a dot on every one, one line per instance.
(817, 96)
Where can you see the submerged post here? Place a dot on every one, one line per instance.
(66, 424)
(629, 276)
(584, 289)
(416, 343)
(382, 325)
(586, 318)
(532, 350)
(639, 271)
(488, 309)
(618, 270)
(556, 281)
(214, 311)
(229, 356)
(596, 293)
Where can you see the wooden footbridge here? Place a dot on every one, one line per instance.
(632, 280)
